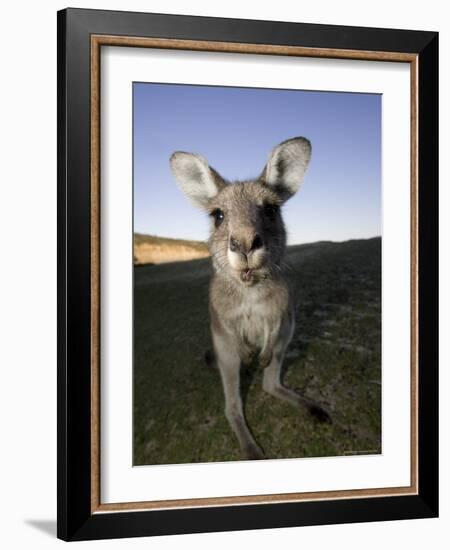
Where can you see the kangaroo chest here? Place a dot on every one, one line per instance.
(253, 315)
(256, 319)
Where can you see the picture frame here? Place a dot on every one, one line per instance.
(81, 36)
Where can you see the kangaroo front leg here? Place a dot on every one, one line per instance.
(229, 365)
(272, 384)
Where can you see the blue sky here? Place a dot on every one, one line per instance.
(235, 129)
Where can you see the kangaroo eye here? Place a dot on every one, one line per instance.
(271, 210)
(218, 216)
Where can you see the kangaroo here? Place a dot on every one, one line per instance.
(250, 304)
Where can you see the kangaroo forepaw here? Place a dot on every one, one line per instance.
(265, 359)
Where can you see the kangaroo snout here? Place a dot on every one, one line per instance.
(246, 254)
(246, 245)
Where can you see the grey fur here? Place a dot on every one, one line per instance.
(251, 307)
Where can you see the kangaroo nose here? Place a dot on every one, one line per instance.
(235, 245)
(242, 246)
(257, 243)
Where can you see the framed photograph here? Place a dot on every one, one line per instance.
(247, 253)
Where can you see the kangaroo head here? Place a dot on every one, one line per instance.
(248, 237)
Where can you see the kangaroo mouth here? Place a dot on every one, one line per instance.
(247, 275)
(250, 276)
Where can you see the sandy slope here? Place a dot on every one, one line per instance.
(149, 249)
(147, 253)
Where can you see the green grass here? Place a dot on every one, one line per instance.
(334, 358)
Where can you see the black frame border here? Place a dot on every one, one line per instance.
(75, 520)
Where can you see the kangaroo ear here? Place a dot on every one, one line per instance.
(195, 177)
(287, 165)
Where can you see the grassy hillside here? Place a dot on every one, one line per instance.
(334, 358)
(149, 249)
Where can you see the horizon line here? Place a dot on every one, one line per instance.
(288, 244)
